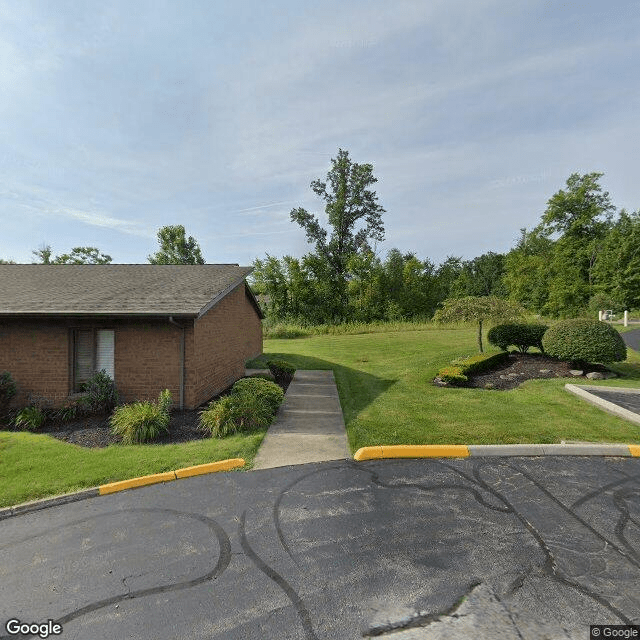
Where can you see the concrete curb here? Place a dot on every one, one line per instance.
(480, 450)
(582, 391)
(122, 485)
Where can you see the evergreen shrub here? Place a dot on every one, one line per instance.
(584, 341)
(521, 336)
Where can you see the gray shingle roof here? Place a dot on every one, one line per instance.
(127, 289)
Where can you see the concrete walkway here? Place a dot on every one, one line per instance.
(309, 426)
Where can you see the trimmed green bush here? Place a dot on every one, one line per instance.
(269, 391)
(452, 374)
(282, 371)
(460, 368)
(30, 418)
(142, 421)
(519, 335)
(585, 341)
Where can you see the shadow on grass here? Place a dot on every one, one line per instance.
(357, 389)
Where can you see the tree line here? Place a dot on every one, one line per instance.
(584, 255)
(175, 248)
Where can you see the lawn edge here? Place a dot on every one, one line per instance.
(121, 485)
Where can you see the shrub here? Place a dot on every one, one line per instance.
(269, 391)
(251, 405)
(452, 373)
(101, 392)
(7, 390)
(30, 418)
(73, 409)
(582, 340)
(236, 413)
(460, 368)
(142, 421)
(521, 336)
(282, 371)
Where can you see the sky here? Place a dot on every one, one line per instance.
(117, 118)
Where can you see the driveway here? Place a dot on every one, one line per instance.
(483, 548)
(632, 339)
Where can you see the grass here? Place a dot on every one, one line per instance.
(35, 466)
(384, 382)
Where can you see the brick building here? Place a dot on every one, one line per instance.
(186, 328)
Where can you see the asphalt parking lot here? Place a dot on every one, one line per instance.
(483, 548)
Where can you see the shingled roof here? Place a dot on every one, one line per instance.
(115, 289)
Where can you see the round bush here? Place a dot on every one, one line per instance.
(267, 390)
(581, 340)
(235, 413)
(281, 370)
(522, 336)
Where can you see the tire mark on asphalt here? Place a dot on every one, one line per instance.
(572, 513)
(550, 566)
(375, 479)
(290, 592)
(276, 509)
(620, 502)
(224, 557)
(606, 487)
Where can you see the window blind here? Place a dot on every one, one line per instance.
(104, 352)
(83, 355)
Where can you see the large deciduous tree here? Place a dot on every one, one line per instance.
(581, 216)
(176, 248)
(354, 219)
(478, 309)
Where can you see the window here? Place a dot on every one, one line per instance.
(93, 351)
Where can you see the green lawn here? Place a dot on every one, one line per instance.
(34, 466)
(384, 381)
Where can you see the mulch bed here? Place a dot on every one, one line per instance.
(95, 431)
(526, 366)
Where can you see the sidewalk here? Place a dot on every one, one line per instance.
(309, 426)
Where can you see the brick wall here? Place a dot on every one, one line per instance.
(222, 341)
(147, 360)
(147, 353)
(37, 357)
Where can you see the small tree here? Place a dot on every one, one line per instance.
(478, 309)
(176, 248)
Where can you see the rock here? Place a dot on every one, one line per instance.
(512, 375)
(595, 375)
(489, 386)
(576, 372)
(545, 370)
(440, 382)
(503, 377)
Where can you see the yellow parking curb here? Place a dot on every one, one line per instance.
(634, 450)
(413, 451)
(168, 476)
(142, 481)
(211, 467)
